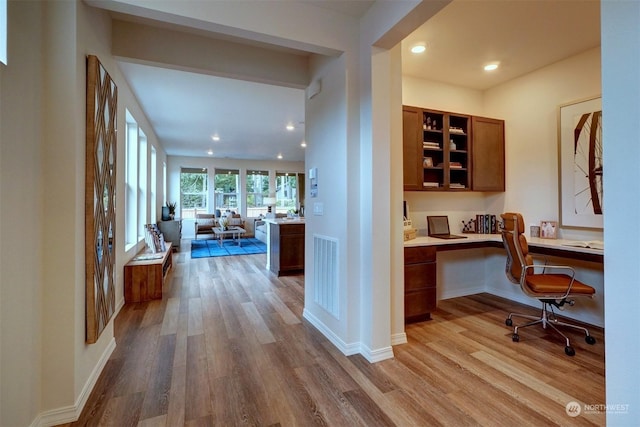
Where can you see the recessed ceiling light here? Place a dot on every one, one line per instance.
(303, 144)
(210, 152)
(215, 138)
(290, 127)
(280, 156)
(419, 48)
(491, 67)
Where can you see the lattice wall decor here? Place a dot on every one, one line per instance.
(100, 196)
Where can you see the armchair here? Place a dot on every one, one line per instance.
(552, 285)
(204, 224)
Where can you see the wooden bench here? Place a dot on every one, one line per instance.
(145, 274)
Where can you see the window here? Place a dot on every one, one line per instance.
(142, 183)
(164, 183)
(286, 192)
(257, 187)
(154, 183)
(193, 191)
(3, 31)
(131, 182)
(227, 184)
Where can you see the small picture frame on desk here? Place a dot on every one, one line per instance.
(548, 229)
(427, 162)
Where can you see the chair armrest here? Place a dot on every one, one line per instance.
(570, 272)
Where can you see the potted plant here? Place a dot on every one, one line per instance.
(224, 223)
(172, 209)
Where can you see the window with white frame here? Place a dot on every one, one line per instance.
(131, 182)
(3, 32)
(286, 192)
(142, 183)
(153, 187)
(164, 183)
(227, 190)
(257, 189)
(193, 191)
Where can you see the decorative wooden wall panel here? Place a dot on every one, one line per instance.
(100, 193)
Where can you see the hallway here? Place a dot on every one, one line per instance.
(227, 346)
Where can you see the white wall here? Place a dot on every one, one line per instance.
(21, 218)
(529, 106)
(621, 109)
(326, 136)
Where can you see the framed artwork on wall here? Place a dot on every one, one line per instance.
(580, 163)
(100, 197)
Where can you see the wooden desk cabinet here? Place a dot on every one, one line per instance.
(420, 296)
(286, 248)
(144, 278)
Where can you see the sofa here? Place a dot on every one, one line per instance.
(205, 222)
(260, 231)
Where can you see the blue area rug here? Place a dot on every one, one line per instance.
(211, 248)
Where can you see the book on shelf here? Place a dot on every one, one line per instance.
(430, 184)
(456, 185)
(154, 238)
(593, 244)
(455, 165)
(427, 144)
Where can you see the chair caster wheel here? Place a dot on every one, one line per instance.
(569, 351)
(515, 337)
(508, 322)
(590, 340)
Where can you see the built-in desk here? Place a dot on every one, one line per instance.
(420, 265)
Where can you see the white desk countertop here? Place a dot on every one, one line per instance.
(559, 244)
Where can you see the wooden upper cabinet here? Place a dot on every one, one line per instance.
(488, 163)
(412, 147)
(445, 151)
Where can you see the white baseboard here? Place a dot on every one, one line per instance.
(346, 349)
(400, 338)
(377, 355)
(69, 414)
(349, 349)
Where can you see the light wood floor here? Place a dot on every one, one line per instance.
(227, 346)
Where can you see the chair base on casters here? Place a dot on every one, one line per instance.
(548, 318)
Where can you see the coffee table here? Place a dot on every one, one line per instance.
(235, 233)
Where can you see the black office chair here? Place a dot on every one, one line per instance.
(553, 285)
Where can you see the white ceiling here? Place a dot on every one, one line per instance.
(186, 109)
(522, 35)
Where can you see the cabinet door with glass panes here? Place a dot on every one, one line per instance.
(433, 150)
(458, 152)
(445, 151)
